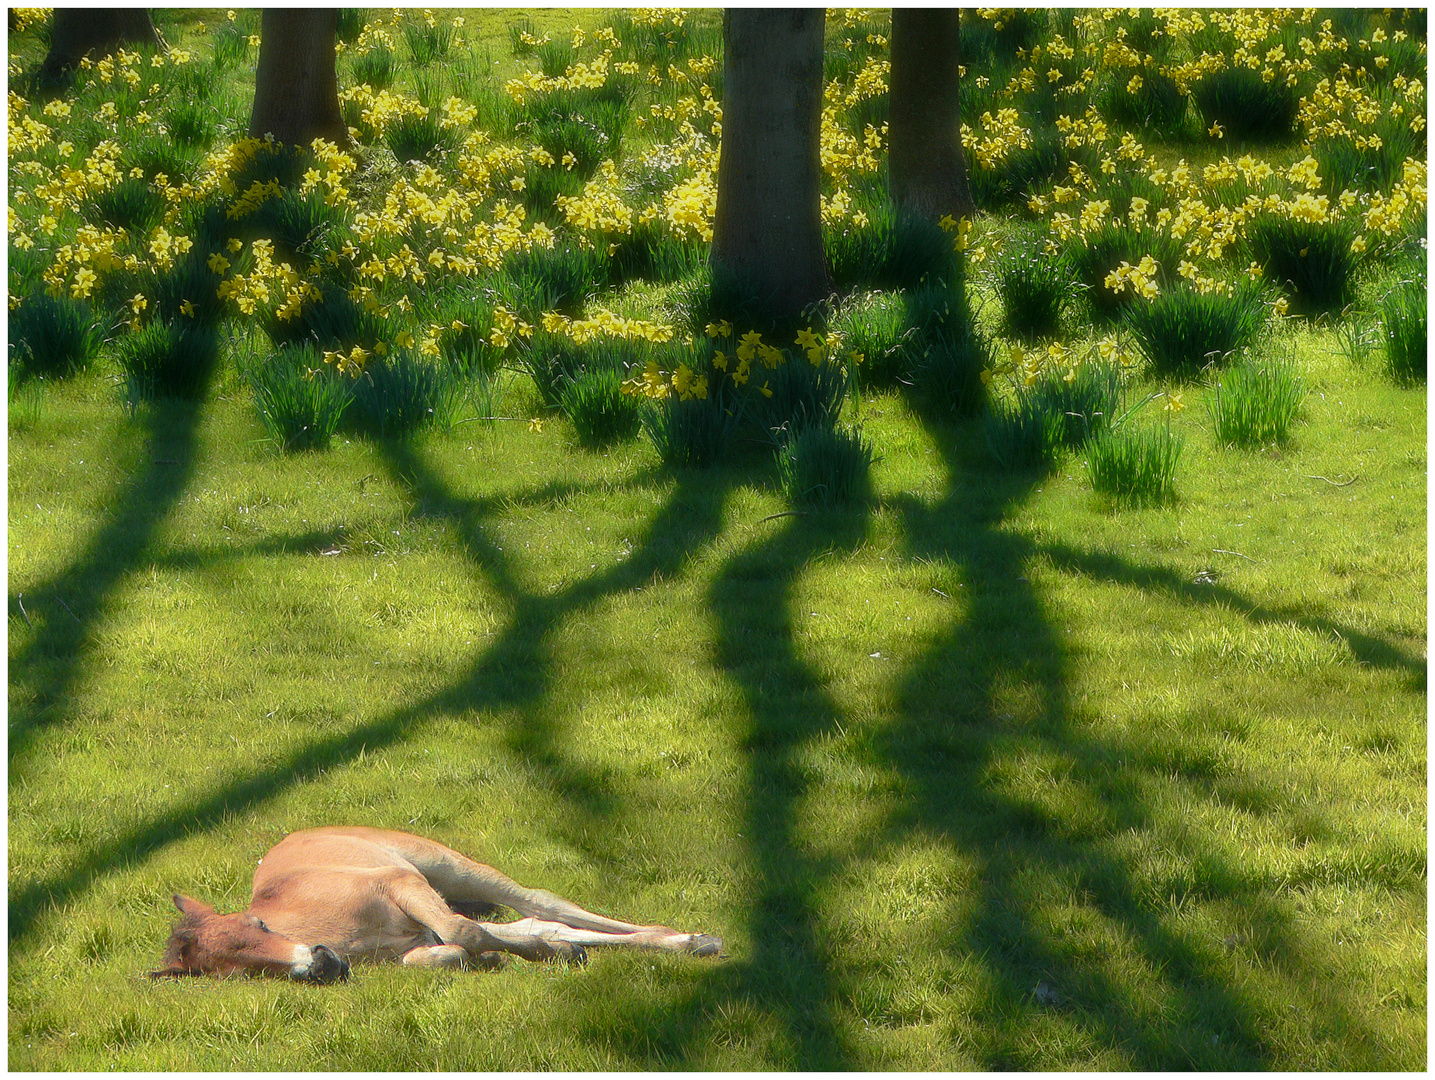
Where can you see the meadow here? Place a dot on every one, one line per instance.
(1020, 663)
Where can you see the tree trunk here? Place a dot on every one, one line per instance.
(767, 231)
(926, 165)
(79, 32)
(296, 87)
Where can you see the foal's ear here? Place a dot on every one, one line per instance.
(190, 906)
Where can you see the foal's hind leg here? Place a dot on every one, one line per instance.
(465, 884)
(416, 898)
(659, 937)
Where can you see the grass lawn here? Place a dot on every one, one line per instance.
(983, 771)
(986, 775)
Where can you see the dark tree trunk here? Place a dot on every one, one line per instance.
(927, 168)
(767, 232)
(296, 87)
(80, 32)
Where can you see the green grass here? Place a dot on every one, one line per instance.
(1135, 466)
(978, 771)
(911, 760)
(1255, 404)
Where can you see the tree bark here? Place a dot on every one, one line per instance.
(296, 87)
(926, 166)
(767, 231)
(80, 32)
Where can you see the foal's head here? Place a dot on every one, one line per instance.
(205, 942)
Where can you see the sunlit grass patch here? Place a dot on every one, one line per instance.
(1135, 465)
(970, 774)
(1255, 404)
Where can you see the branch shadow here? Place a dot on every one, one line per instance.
(952, 757)
(514, 673)
(49, 667)
(787, 975)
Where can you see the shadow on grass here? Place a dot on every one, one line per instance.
(788, 973)
(956, 726)
(992, 688)
(71, 604)
(514, 673)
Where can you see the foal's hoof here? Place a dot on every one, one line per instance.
(567, 950)
(705, 945)
(490, 961)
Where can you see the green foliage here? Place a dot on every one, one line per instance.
(1053, 415)
(1101, 251)
(53, 337)
(1021, 436)
(26, 397)
(651, 253)
(803, 395)
(1255, 404)
(1376, 166)
(1157, 107)
(191, 124)
(350, 24)
(894, 250)
(132, 204)
(376, 68)
(664, 42)
(300, 399)
(587, 123)
(561, 278)
(428, 43)
(1248, 108)
(1182, 331)
(713, 293)
(1135, 466)
(187, 290)
(1312, 259)
(300, 224)
(553, 361)
(1025, 170)
(874, 327)
(168, 359)
(231, 46)
(982, 729)
(412, 137)
(691, 434)
(822, 466)
(600, 412)
(333, 321)
(400, 394)
(1019, 29)
(466, 343)
(1403, 312)
(1034, 288)
(948, 352)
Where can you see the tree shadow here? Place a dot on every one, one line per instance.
(1006, 647)
(994, 684)
(73, 602)
(788, 972)
(514, 673)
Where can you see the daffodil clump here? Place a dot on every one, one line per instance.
(1362, 119)
(731, 360)
(1023, 367)
(375, 253)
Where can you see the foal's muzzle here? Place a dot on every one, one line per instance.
(328, 966)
